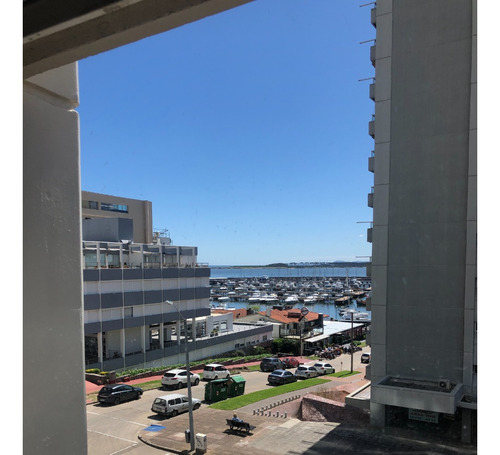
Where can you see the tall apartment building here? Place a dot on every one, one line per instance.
(423, 333)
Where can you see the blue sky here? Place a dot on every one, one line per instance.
(247, 130)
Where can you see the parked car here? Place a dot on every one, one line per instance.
(280, 377)
(178, 378)
(271, 364)
(306, 372)
(118, 393)
(215, 371)
(290, 362)
(173, 404)
(366, 357)
(324, 367)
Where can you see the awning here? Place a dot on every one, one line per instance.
(317, 338)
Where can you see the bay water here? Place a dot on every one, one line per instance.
(329, 310)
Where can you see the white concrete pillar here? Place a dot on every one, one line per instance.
(162, 335)
(53, 339)
(143, 338)
(122, 342)
(99, 347)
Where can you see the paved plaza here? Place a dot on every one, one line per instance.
(290, 436)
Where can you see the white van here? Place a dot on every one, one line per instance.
(173, 404)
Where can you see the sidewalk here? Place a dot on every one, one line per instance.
(277, 435)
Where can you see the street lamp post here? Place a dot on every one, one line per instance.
(352, 339)
(190, 397)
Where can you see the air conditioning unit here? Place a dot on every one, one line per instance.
(444, 384)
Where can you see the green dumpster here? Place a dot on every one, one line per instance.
(216, 390)
(236, 386)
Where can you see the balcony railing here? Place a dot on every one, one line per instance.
(155, 265)
(371, 162)
(373, 53)
(370, 198)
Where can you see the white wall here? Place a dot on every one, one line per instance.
(53, 311)
(113, 342)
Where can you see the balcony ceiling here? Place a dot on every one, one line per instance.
(58, 32)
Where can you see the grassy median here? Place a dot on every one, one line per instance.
(343, 374)
(254, 397)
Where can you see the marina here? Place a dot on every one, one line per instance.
(332, 296)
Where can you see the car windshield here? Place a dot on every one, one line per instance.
(159, 401)
(302, 368)
(208, 369)
(169, 375)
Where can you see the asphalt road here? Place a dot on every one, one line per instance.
(113, 429)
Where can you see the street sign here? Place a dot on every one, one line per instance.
(304, 310)
(423, 416)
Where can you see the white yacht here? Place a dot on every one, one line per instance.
(357, 317)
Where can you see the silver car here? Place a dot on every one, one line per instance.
(306, 372)
(173, 404)
(324, 367)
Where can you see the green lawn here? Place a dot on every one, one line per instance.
(343, 374)
(244, 400)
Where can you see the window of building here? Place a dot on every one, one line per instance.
(90, 205)
(114, 207)
(90, 259)
(128, 312)
(201, 329)
(113, 259)
(154, 337)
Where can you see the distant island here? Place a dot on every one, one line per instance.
(294, 265)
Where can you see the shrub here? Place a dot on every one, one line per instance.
(259, 350)
(93, 371)
(286, 345)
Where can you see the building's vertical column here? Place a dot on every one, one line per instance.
(382, 136)
(122, 342)
(471, 247)
(144, 346)
(162, 334)
(53, 350)
(100, 356)
(470, 292)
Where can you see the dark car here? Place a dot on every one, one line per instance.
(271, 364)
(117, 393)
(280, 377)
(366, 357)
(290, 362)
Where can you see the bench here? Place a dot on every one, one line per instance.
(239, 426)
